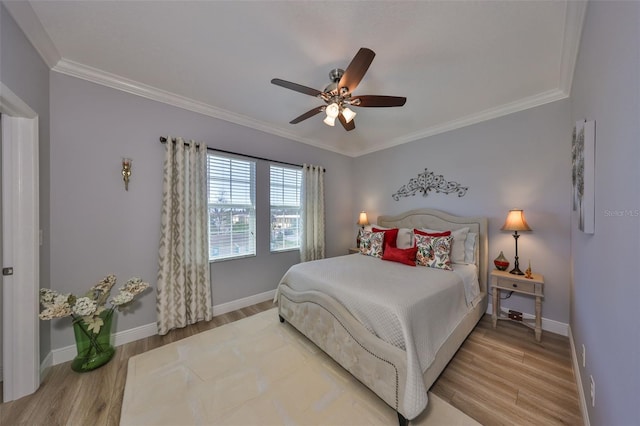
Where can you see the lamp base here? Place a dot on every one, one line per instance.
(516, 271)
(358, 238)
(516, 266)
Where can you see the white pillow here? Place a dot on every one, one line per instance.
(404, 240)
(458, 245)
(470, 248)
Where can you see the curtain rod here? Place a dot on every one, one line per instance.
(164, 140)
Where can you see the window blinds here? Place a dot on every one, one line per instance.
(232, 213)
(285, 185)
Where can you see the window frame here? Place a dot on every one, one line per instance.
(251, 206)
(286, 207)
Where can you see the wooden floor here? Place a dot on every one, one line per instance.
(500, 376)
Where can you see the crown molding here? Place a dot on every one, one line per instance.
(488, 114)
(29, 23)
(12, 105)
(574, 21)
(95, 75)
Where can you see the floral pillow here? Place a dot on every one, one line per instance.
(434, 251)
(390, 235)
(371, 243)
(457, 244)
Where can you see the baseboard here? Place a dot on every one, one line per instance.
(234, 305)
(45, 365)
(576, 373)
(58, 356)
(549, 325)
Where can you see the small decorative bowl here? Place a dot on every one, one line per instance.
(501, 262)
(501, 266)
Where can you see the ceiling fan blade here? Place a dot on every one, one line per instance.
(307, 114)
(356, 69)
(347, 126)
(297, 87)
(378, 101)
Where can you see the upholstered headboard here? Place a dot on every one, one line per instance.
(437, 219)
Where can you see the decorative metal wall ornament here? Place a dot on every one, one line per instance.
(426, 182)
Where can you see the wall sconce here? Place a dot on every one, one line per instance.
(126, 172)
(362, 221)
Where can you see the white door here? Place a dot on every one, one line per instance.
(1, 258)
(20, 241)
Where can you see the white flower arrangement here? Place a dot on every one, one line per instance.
(84, 307)
(89, 307)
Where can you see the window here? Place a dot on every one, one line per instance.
(285, 208)
(232, 207)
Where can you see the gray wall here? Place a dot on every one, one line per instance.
(605, 291)
(518, 161)
(25, 74)
(98, 228)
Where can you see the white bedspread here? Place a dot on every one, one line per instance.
(413, 308)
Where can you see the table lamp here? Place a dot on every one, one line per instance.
(516, 222)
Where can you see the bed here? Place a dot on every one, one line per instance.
(398, 353)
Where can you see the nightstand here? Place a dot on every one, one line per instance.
(504, 281)
(354, 250)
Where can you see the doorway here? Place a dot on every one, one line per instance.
(1, 277)
(20, 251)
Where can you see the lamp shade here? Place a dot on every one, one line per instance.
(362, 219)
(515, 221)
(332, 110)
(329, 121)
(348, 115)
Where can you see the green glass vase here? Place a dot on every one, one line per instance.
(94, 349)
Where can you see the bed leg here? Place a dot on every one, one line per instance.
(281, 319)
(402, 421)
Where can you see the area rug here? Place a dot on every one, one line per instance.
(256, 371)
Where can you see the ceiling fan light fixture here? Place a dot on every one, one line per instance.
(332, 110)
(338, 94)
(329, 121)
(348, 114)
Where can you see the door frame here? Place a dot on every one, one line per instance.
(21, 246)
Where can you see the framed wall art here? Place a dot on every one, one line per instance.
(583, 161)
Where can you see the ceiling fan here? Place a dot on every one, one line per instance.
(338, 94)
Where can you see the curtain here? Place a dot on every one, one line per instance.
(312, 200)
(184, 288)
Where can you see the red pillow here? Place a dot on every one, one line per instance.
(432, 234)
(406, 256)
(390, 236)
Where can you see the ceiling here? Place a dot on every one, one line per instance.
(457, 62)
